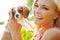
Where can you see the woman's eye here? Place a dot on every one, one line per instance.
(36, 5)
(45, 8)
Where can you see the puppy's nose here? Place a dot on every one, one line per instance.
(17, 15)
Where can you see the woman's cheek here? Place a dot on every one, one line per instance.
(35, 14)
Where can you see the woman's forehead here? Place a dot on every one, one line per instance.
(49, 3)
(46, 2)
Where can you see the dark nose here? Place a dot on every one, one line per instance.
(17, 15)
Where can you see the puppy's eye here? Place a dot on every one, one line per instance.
(20, 10)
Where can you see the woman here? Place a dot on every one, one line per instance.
(47, 19)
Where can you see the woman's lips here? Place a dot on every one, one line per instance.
(39, 19)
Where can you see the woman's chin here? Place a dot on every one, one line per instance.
(37, 23)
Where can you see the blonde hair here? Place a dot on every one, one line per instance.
(57, 2)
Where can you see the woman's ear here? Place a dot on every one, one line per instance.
(57, 15)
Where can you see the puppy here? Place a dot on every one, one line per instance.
(22, 15)
(19, 15)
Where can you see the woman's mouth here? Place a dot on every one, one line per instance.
(39, 18)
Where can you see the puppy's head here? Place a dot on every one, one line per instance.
(19, 12)
(24, 11)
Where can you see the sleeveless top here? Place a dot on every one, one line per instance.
(41, 36)
(35, 37)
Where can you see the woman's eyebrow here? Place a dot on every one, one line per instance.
(44, 6)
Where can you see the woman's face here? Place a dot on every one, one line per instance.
(44, 12)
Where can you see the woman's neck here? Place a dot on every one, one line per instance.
(41, 29)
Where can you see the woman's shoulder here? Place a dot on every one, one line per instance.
(51, 33)
(53, 30)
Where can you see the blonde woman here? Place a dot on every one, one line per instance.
(47, 19)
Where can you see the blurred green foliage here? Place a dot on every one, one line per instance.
(31, 18)
(29, 4)
(1, 23)
(26, 35)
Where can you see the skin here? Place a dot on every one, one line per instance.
(51, 34)
(45, 12)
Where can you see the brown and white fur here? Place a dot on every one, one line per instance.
(22, 12)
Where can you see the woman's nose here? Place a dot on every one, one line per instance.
(38, 11)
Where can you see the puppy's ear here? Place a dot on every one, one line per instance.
(12, 14)
(26, 11)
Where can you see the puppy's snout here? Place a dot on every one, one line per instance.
(17, 15)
